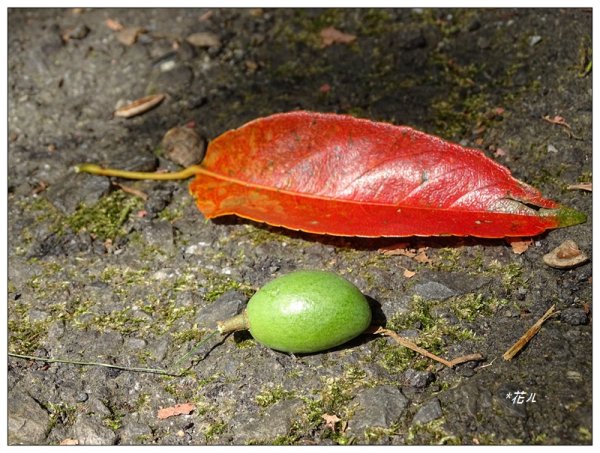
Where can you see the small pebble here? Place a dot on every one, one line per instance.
(183, 146)
(430, 411)
(204, 39)
(418, 379)
(533, 40)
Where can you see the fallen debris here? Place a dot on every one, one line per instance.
(587, 186)
(558, 120)
(527, 336)
(204, 39)
(178, 409)
(519, 245)
(129, 35)
(410, 345)
(113, 24)
(331, 35)
(139, 106)
(330, 420)
(566, 256)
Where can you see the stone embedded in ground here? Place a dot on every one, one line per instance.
(433, 291)
(89, 430)
(133, 432)
(276, 421)
(160, 234)
(28, 422)
(418, 379)
(74, 190)
(229, 304)
(377, 407)
(431, 410)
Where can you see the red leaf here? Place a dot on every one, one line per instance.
(335, 174)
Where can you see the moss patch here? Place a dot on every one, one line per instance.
(104, 219)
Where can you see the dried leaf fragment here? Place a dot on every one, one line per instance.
(559, 120)
(178, 409)
(113, 24)
(332, 35)
(565, 256)
(408, 273)
(519, 245)
(527, 336)
(129, 35)
(139, 106)
(330, 420)
(587, 186)
(204, 39)
(205, 17)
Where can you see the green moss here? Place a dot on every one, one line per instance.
(114, 421)
(24, 335)
(584, 434)
(377, 433)
(176, 210)
(214, 430)
(585, 177)
(142, 403)
(122, 278)
(60, 414)
(304, 26)
(375, 22)
(334, 397)
(434, 332)
(193, 334)
(432, 433)
(106, 218)
(584, 66)
(271, 395)
(449, 259)
(469, 306)
(511, 273)
(218, 284)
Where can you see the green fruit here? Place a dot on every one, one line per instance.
(305, 311)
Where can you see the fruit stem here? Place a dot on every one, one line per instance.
(94, 169)
(238, 322)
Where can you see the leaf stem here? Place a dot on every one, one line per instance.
(94, 169)
(233, 324)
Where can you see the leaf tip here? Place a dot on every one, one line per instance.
(566, 216)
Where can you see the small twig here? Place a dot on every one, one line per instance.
(119, 367)
(410, 345)
(196, 348)
(132, 191)
(527, 336)
(106, 365)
